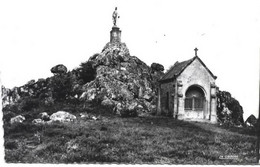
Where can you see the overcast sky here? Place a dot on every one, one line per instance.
(37, 35)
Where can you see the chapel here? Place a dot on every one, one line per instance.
(188, 92)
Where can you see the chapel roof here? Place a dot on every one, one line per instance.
(179, 67)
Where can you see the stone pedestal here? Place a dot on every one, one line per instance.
(115, 34)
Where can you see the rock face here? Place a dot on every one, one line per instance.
(62, 116)
(31, 89)
(122, 81)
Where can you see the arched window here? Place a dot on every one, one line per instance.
(194, 98)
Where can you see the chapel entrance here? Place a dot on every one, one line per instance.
(195, 102)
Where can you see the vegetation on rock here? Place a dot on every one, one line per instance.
(229, 111)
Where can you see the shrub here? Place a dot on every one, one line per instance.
(28, 103)
(61, 86)
(225, 99)
(128, 113)
(11, 108)
(87, 72)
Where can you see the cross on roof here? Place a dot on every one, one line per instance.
(196, 50)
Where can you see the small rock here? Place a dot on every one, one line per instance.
(123, 68)
(83, 115)
(17, 119)
(94, 118)
(38, 121)
(107, 102)
(148, 97)
(44, 116)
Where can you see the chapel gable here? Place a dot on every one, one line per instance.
(188, 91)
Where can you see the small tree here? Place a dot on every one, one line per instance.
(60, 83)
(87, 72)
(226, 100)
(61, 86)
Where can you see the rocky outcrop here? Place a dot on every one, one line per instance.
(251, 121)
(112, 78)
(40, 89)
(122, 81)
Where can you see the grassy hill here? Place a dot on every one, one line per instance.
(113, 139)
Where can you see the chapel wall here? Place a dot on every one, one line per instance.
(195, 74)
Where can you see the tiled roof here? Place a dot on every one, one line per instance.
(179, 67)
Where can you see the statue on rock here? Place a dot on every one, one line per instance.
(115, 16)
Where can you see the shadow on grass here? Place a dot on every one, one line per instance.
(166, 122)
(242, 130)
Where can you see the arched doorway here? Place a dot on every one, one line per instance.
(194, 98)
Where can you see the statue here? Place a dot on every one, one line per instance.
(115, 16)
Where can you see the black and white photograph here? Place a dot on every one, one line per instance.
(130, 82)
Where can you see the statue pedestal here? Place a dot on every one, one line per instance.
(115, 34)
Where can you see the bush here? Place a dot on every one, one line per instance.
(11, 108)
(28, 103)
(128, 113)
(225, 99)
(61, 86)
(87, 72)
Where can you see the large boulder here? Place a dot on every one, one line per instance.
(17, 119)
(122, 81)
(59, 69)
(62, 116)
(157, 67)
(251, 121)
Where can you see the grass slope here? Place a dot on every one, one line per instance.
(112, 139)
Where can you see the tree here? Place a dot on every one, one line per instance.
(226, 100)
(87, 72)
(61, 86)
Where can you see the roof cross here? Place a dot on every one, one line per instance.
(196, 50)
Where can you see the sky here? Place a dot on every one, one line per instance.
(36, 35)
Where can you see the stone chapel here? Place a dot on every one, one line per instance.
(188, 92)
